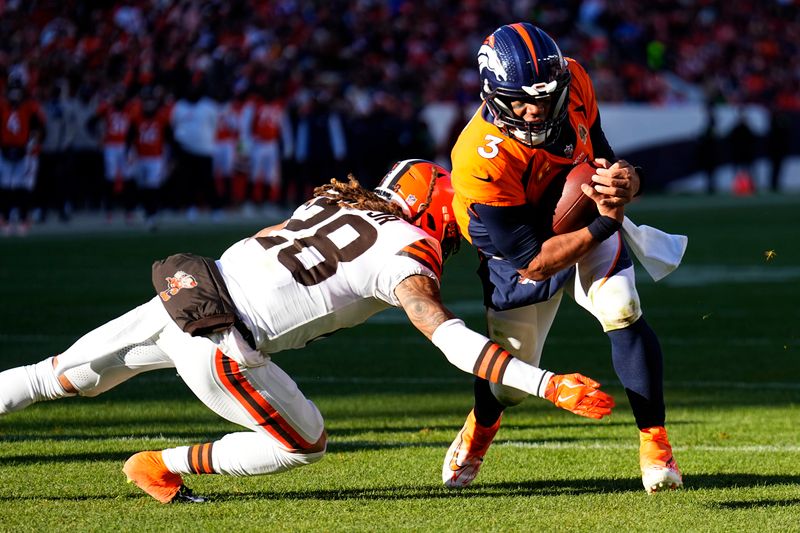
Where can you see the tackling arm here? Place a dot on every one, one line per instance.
(476, 354)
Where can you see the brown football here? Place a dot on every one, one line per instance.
(574, 210)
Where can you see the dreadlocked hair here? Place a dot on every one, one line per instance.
(354, 196)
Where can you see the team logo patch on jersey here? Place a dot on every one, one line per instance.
(181, 280)
(411, 199)
(583, 132)
(568, 149)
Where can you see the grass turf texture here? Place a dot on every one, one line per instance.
(727, 320)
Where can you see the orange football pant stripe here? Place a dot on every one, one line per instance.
(256, 405)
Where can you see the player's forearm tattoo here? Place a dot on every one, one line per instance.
(422, 303)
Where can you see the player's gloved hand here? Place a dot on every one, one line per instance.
(580, 395)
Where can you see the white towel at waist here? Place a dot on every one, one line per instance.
(659, 253)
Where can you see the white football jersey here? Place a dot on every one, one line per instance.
(328, 268)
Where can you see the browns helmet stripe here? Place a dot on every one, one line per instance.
(255, 404)
(399, 170)
(523, 32)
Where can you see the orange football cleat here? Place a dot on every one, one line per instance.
(659, 469)
(148, 471)
(465, 456)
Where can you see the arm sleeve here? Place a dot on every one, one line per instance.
(475, 354)
(511, 231)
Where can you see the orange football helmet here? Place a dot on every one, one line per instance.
(407, 185)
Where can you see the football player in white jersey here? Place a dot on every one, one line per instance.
(343, 256)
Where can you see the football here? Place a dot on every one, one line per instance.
(574, 210)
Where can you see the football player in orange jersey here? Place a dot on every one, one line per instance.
(539, 117)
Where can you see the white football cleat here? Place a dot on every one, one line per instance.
(659, 470)
(465, 455)
(657, 479)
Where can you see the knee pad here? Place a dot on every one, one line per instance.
(105, 373)
(615, 302)
(84, 379)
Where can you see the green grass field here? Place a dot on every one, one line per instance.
(727, 319)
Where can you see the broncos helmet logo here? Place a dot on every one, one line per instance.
(181, 280)
(488, 59)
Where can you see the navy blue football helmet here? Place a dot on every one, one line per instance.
(521, 62)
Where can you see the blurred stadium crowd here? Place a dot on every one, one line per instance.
(147, 104)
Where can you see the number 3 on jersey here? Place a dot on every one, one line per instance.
(321, 241)
(490, 150)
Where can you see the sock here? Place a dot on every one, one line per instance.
(236, 454)
(638, 361)
(24, 385)
(487, 409)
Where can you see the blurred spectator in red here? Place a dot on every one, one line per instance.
(271, 135)
(21, 131)
(115, 117)
(229, 141)
(147, 141)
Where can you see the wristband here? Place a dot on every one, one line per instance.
(603, 227)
